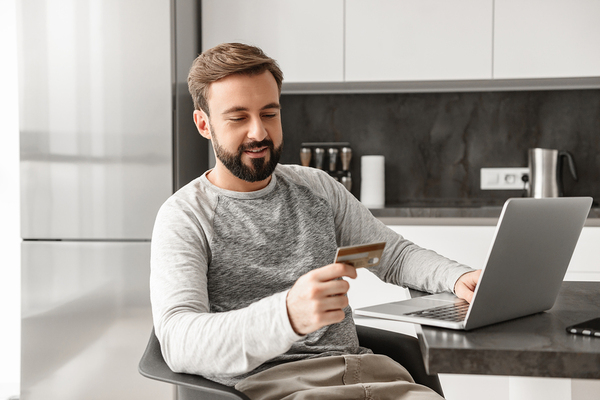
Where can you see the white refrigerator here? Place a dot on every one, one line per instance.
(105, 128)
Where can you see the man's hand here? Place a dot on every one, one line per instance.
(465, 285)
(318, 298)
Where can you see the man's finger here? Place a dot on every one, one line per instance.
(335, 287)
(334, 271)
(334, 303)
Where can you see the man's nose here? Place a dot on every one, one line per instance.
(257, 130)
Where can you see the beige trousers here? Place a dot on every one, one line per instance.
(368, 376)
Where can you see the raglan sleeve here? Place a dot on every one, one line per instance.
(194, 340)
(403, 263)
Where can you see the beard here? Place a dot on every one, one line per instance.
(260, 168)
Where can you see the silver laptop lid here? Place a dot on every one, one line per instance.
(531, 251)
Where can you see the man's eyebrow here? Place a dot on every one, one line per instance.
(239, 108)
(272, 105)
(234, 109)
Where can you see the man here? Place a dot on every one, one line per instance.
(243, 289)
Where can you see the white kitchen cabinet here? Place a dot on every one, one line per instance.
(546, 39)
(305, 37)
(585, 263)
(400, 40)
(399, 45)
(468, 245)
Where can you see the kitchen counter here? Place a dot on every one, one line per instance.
(536, 345)
(432, 214)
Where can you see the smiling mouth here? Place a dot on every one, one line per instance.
(259, 152)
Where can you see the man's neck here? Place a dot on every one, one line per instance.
(221, 177)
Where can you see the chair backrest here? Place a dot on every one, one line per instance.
(402, 348)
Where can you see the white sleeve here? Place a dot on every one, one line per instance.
(193, 340)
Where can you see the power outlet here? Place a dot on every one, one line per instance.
(503, 178)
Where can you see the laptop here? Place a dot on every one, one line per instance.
(526, 264)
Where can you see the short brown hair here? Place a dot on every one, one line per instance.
(224, 60)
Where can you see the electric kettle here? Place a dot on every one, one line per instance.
(545, 172)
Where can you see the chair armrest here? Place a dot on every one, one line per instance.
(153, 366)
(404, 349)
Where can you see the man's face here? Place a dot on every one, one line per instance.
(259, 169)
(245, 125)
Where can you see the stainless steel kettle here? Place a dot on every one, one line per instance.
(545, 172)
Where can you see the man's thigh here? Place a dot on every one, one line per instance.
(367, 376)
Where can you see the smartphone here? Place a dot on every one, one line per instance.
(361, 256)
(587, 328)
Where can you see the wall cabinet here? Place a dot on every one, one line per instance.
(546, 39)
(305, 37)
(356, 42)
(388, 40)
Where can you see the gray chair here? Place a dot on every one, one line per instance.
(402, 348)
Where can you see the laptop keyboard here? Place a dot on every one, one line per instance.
(453, 312)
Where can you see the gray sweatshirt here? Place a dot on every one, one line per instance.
(223, 261)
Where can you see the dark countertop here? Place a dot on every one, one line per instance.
(457, 214)
(537, 345)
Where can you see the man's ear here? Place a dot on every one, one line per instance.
(202, 123)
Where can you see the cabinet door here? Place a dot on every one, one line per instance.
(404, 40)
(585, 263)
(305, 37)
(546, 38)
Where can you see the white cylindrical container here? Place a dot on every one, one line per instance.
(372, 183)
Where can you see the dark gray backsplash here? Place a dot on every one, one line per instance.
(435, 143)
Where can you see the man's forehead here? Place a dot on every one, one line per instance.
(244, 84)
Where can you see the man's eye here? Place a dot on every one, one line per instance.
(236, 119)
(273, 115)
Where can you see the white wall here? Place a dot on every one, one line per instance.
(10, 296)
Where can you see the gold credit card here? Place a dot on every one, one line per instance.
(361, 256)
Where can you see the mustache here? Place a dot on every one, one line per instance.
(257, 145)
